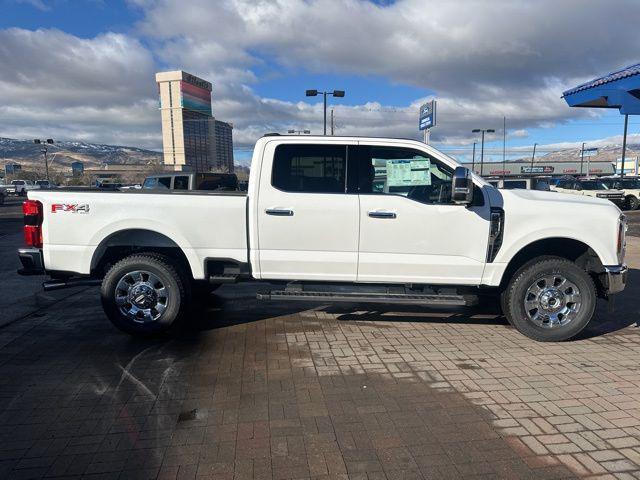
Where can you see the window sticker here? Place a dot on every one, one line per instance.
(406, 172)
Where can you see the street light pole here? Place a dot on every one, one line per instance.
(44, 143)
(324, 94)
(335, 93)
(473, 157)
(483, 130)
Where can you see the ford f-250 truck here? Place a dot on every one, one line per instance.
(334, 219)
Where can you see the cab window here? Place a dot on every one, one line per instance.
(310, 168)
(181, 183)
(403, 171)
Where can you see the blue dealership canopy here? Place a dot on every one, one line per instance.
(619, 89)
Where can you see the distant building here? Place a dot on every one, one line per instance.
(12, 168)
(188, 128)
(224, 146)
(524, 168)
(77, 168)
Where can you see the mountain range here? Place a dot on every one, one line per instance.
(62, 154)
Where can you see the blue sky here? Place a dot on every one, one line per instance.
(388, 56)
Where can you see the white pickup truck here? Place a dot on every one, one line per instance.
(335, 219)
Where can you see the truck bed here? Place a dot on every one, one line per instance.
(203, 224)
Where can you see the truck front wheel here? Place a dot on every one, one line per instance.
(144, 294)
(550, 299)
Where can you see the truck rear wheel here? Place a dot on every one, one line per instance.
(550, 299)
(144, 294)
(632, 203)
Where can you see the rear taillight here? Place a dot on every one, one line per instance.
(32, 210)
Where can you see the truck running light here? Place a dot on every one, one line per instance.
(622, 230)
(32, 210)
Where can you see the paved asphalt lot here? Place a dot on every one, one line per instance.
(278, 391)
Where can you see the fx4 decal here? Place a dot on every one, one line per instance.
(70, 207)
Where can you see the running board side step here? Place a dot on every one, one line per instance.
(356, 297)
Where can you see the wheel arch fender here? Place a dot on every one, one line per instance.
(133, 239)
(568, 247)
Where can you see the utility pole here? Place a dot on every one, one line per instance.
(581, 159)
(533, 156)
(624, 145)
(332, 122)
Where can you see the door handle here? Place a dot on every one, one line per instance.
(279, 212)
(381, 214)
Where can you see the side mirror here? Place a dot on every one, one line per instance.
(461, 186)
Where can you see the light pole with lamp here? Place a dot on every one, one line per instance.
(335, 93)
(44, 143)
(483, 130)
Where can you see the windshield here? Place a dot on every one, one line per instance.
(631, 183)
(593, 185)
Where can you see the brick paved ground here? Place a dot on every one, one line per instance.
(284, 391)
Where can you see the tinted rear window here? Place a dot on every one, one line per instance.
(310, 168)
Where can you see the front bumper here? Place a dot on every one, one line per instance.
(32, 261)
(614, 278)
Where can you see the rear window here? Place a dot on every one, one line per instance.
(310, 168)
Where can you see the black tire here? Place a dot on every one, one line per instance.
(632, 202)
(518, 289)
(175, 293)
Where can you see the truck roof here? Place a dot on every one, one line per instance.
(340, 137)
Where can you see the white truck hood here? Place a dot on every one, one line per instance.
(532, 215)
(559, 197)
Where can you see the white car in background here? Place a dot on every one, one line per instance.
(629, 186)
(21, 187)
(590, 188)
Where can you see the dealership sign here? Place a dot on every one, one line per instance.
(427, 117)
(537, 169)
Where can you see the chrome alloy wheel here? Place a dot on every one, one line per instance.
(552, 301)
(141, 296)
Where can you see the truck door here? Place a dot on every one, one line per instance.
(307, 223)
(410, 231)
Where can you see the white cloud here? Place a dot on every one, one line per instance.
(59, 85)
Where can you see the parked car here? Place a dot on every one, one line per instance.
(522, 183)
(336, 219)
(590, 188)
(46, 184)
(21, 187)
(225, 182)
(629, 186)
(3, 193)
